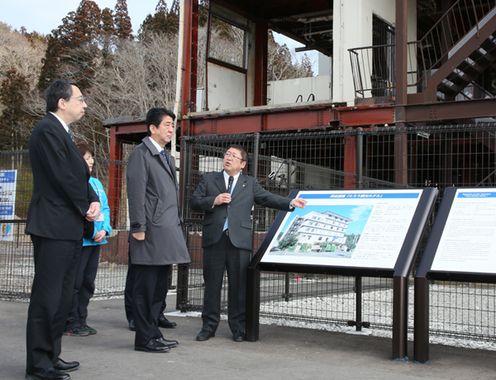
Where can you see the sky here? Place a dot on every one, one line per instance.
(45, 15)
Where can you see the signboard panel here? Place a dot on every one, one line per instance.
(468, 239)
(7, 203)
(357, 228)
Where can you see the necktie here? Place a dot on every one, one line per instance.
(229, 189)
(229, 184)
(166, 156)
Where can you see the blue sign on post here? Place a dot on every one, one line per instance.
(7, 203)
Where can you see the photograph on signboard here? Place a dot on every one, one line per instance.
(468, 239)
(359, 228)
(326, 231)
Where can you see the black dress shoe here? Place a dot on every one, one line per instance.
(47, 374)
(132, 326)
(204, 335)
(171, 343)
(153, 346)
(238, 337)
(165, 323)
(64, 366)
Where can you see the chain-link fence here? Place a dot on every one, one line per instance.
(441, 156)
(16, 261)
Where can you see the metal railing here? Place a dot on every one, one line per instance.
(462, 17)
(373, 70)
(373, 67)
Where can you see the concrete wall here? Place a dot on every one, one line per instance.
(352, 29)
(287, 91)
(226, 88)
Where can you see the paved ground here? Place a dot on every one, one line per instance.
(281, 353)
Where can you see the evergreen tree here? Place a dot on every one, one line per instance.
(162, 21)
(107, 33)
(86, 24)
(51, 62)
(65, 31)
(122, 21)
(72, 50)
(15, 122)
(59, 42)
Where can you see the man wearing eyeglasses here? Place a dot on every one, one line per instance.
(62, 199)
(227, 198)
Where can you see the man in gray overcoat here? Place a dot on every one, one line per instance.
(156, 240)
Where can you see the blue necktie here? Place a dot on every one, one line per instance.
(166, 156)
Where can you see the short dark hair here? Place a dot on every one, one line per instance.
(154, 116)
(58, 89)
(84, 148)
(242, 151)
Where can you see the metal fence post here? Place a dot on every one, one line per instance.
(183, 269)
(359, 159)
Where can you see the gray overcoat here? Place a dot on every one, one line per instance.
(153, 208)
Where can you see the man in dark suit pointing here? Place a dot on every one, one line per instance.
(62, 199)
(227, 198)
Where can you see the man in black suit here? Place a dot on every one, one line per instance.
(62, 200)
(227, 198)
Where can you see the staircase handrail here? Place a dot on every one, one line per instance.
(455, 32)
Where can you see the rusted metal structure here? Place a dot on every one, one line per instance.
(424, 81)
(444, 72)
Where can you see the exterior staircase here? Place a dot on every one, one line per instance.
(456, 51)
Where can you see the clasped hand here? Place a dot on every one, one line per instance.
(222, 198)
(93, 212)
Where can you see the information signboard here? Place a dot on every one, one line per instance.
(357, 228)
(7, 203)
(468, 239)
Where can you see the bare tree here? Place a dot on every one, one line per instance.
(20, 65)
(141, 75)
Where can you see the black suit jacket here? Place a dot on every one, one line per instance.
(245, 194)
(61, 191)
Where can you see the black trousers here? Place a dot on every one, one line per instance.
(149, 290)
(55, 263)
(84, 286)
(128, 290)
(216, 259)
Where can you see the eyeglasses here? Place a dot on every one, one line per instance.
(80, 99)
(231, 155)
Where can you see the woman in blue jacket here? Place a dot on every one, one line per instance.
(84, 287)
